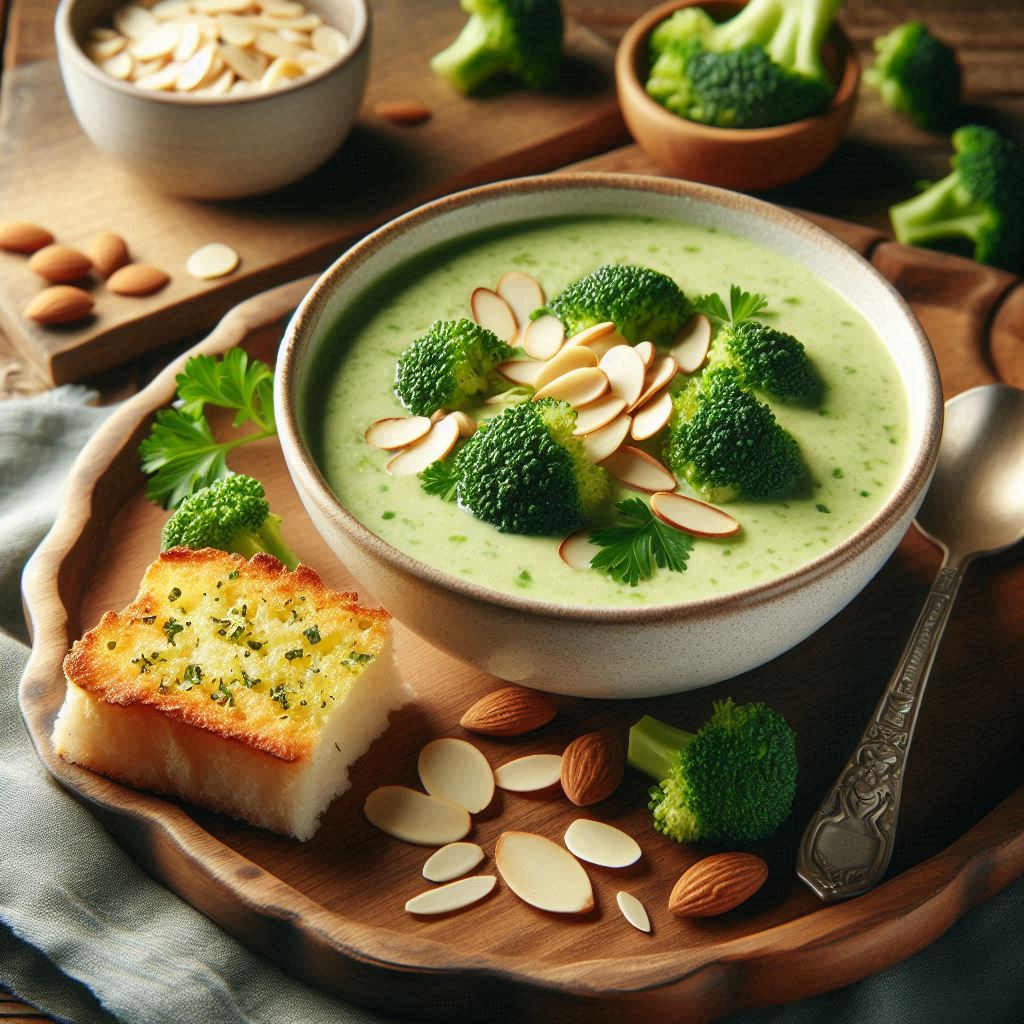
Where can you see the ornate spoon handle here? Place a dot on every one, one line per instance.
(848, 843)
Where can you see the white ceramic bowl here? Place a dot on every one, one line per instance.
(611, 652)
(216, 147)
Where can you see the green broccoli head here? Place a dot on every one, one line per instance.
(524, 472)
(916, 75)
(644, 304)
(731, 783)
(445, 368)
(766, 359)
(682, 27)
(233, 515)
(522, 38)
(981, 200)
(727, 444)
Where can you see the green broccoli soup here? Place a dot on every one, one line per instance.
(846, 443)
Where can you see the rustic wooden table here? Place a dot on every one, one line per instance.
(877, 164)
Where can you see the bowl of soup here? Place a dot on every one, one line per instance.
(507, 603)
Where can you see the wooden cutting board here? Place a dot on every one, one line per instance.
(51, 174)
(330, 910)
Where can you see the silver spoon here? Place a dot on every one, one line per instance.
(975, 506)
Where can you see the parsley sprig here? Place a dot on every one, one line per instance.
(631, 551)
(440, 478)
(181, 453)
(742, 305)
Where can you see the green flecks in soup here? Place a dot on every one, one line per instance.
(853, 441)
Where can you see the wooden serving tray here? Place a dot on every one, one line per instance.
(330, 910)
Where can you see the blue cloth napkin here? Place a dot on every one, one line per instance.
(87, 936)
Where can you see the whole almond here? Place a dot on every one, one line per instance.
(108, 252)
(717, 884)
(509, 712)
(592, 767)
(21, 236)
(59, 263)
(402, 111)
(137, 279)
(60, 304)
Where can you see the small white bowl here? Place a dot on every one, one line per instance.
(209, 147)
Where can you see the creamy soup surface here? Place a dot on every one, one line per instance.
(853, 442)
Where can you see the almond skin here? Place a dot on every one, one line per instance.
(21, 236)
(61, 304)
(717, 884)
(59, 263)
(137, 279)
(592, 767)
(108, 252)
(402, 111)
(509, 712)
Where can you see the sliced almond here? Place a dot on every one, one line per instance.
(690, 346)
(273, 46)
(600, 339)
(633, 911)
(543, 874)
(543, 337)
(645, 350)
(221, 6)
(99, 50)
(661, 373)
(577, 387)
(652, 417)
(280, 8)
(235, 30)
(399, 111)
(602, 443)
(108, 252)
(625, 371)
(188, 42)
(329, 41)
(437, 415)
(455, 770)
(563, 362)
(636, 469)
(137, 279)
(211, 261)
(601, 844)
(243, 63)
(492, 312)
(395, 111)
(196, 68)
(520, 371)
(119, 66)
(164, 10)
(451, 897)
(303, 23)
(158, 43)
(597, 414)
(529, 774)
(220, 86)
(452, 861)
(396, 432)
(434, 445)
(159, 80)
(21, 236)
(414, 817)
(280, 71)
(576, 550)
(134, 21)
(467, 425)
(692, 516)
(523, 295)
(59, 263)
(61, 304)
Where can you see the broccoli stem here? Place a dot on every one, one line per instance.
(469, 60)
(943, 210)
(267, 539)
(654, 747)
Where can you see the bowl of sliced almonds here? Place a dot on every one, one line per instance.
(215, 99)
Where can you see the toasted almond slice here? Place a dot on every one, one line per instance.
(196, 68)
(119, 66)
(467, 425)
(437, 415)
(523, 294)
(271, 44)
(661, 373)
(100, 50)
(491, 311)
(543, 874)
(637, 469)
(220, 86)
(604, 442)
(452, 861)
(543, 337)
(434, 445)
(329, 41)
(160, 80)
(241, 87)
(648, 420)
(188, 42)
(645, 350)
(414, 817)
(520, 371)
(601, 844)
(243, 63)
(690, 346)
(692, 516)
(563, 362)
(530, 773)
(214, 259)
(281, 70)
(236, 31)
(592, 334)
(633, 911)
(455, 770)
(158, 43)
(625, 371)
(577, 387)
(597, 414)
(576, 550)
(134, 21)
(454, 896)
(281, 8)
(396, 432)
(599, 339)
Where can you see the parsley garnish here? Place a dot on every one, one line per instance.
(174, 594)
(440, 478)
(631, 551)
(292, 655)
(172, 627)
(312, 635)
(742, 305)
(222, 695)
(277, 693)
(193, 677)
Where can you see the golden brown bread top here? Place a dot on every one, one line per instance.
(244, 649)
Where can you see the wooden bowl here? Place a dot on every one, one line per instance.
(749, 159)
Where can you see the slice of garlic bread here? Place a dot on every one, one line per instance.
(234, 684)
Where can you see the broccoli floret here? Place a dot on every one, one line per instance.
(982, 200)
(524, 472)
(233, 515)
(727, 444)
(731, 783)
(766, 359)
(517, 37)
(916, 75)
(644, 304)
(762, 67)
(450, 364)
